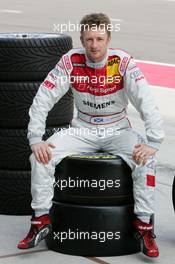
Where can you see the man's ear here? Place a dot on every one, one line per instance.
(109, 38)
(81, 39)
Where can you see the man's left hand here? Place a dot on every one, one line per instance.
(142, 152)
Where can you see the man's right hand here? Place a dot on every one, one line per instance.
(42, 151)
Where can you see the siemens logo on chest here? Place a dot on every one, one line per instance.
(98, 106)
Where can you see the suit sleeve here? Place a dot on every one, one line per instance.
(55, 85)
(139, 94)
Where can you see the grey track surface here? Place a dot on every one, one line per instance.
(147, 32)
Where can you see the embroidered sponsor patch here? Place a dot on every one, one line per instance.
(139, 78)
(112, 68)
(75, 64)
(98, 106)
(56, 71)
(150, 180)
(123, 64)
(49, 85)
(54, 77)
(67, 62)
(58, 66)
(137, 75)
(114, 61)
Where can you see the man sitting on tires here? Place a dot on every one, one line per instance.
(103, 80)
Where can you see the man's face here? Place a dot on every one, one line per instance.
(96, 43)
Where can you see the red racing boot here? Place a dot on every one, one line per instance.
(144, 233)
(40, 228)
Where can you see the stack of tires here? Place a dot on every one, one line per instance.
(173, 193)
(25, 60)
(93, 207)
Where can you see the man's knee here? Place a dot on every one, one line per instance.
(32, 157)
(130, 138)
(151, 163)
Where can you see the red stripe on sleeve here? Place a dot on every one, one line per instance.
(150, 180)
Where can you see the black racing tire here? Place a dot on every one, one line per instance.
(15, 195)
(30, 56)
(97, 221)
(173, 193)
(16, 99)
(15, 149)
(93, 178)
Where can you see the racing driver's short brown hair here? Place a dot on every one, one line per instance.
(98, 20)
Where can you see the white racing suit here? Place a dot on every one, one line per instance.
(101, 93)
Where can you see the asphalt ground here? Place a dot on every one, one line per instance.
(147, 32)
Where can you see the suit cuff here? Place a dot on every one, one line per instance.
(34, 140)
(155, 145)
